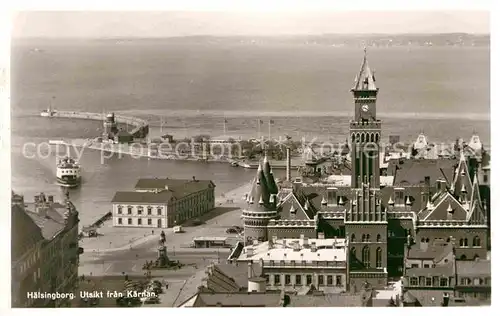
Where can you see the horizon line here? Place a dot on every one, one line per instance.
(250, 35)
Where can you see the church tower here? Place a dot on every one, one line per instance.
(365, 129)
(366, 217)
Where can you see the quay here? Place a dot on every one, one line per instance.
(141, 127)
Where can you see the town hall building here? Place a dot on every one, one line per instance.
(424, 201)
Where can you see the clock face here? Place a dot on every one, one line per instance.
(364, 107)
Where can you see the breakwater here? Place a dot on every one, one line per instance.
(141, 127)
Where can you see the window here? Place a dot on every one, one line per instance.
(129, 221)
(379, 238)
(414, 281)
(363, 238)
(139, 221)
(119, 221)
(119, 210)
(353, 238)
(338, 280)
(353, 254)
(435, 281)
(477, 281)
(139, 210)
(159, 210)
(288, 279)
(366, 257)
(428, 281)
(379, 258)
(267, 279)
(309, 279)
(476, 242)
(426, 266)
(485, 178)
(443, 282)
(414, 265)
(321, 280)
(464, 242)
(332, 197)
(298, 279)
(399, 197)
(277, 279)
(150, 222)
(329, 280)
(150, 210)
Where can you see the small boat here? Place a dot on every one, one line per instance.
(68, 172)
(49, 112)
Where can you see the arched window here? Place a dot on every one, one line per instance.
(427, 240)
(379, 238)
(422, 240)
(353, 238)
(366, 257)
(463, 257)
(379, 258)
(461, 242)
(368, 237)
(476, 242)
(466, 242)
(363, 238)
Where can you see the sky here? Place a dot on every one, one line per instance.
(88, 24)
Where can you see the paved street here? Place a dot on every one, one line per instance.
(130, 262)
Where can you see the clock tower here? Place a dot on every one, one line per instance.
(365, 130)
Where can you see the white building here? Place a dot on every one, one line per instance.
(161, 203)
(298, 264)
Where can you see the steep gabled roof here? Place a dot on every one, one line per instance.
(291, 208)
(447, 208)
(461, 178)
(365, 80)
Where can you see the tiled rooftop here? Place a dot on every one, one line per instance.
(474, 268)
(167, 189)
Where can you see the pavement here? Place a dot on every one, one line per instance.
(115, 239)
(125, 250)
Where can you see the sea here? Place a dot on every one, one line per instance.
(230, 89)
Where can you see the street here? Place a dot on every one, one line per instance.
(131, 261)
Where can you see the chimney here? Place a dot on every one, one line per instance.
(313, 246)
(305, 242)
(446, 299)
(194, 179)
(288, 165)
(249, 270)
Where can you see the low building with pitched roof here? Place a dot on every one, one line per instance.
(160, 203)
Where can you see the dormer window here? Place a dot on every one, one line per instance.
(332, 196)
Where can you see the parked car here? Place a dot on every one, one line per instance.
(231, 231)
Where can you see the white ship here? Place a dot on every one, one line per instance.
(68, 172)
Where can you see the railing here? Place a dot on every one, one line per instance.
(302, 264)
